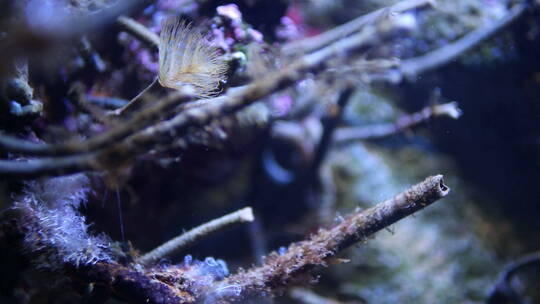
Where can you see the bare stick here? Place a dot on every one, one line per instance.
(347, 134)
(140, 142)
(311, 44)
(307, 296)
(138, 30)
(139, 121)
(45, 166)
(279, 270)
(319, 185)
(410, 68)
(502, 291)
(512, 268)
(180, 242)
(329, 127)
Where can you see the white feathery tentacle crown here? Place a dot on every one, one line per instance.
(187, 58)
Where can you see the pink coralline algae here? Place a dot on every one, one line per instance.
(232, 29)
(231, 12)
(282, 104)
(293, 25)
(255, 35)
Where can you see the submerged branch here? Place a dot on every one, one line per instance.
(279, 270)
(347, 134)
(330, 127)
(34, 168)
(138, 30)
(139, 121)
(173, 284)
(139, 143)
(180, 242)
(307, 296)
(410, 68)
(311, 44)
(503, 291)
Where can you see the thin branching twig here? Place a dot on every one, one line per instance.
(306, 296)
(139, 121)
(180, 242)
(349, 134)
(311, 44)
(410, 68)
(165, 131)
(502, 291)
(140, 142)
(138, 30)
(330, 125)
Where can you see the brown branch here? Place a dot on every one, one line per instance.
(294, 133)
(180, 242)
(311, 44)
(394, 71)
(168, 285)
(319, 186)
(502, 291)
(138, 30)
(328, 132)
(139, 121)
(280, 270)
(410, 68)
(179, 125)
(45, 166)
(239, 99)
(307, 296)
(347, 134)
(129, 284)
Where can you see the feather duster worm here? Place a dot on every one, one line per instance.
(187, 58)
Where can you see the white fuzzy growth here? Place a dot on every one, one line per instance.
(222, 291)
(54, 229)
(205, 276)
(187, 58)
(58, 192)
(204, 273)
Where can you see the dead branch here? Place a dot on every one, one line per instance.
(502, 291)
(33, 168)
(410, 68)
(165, 131)
(279, 270)
(128, 144)
(307, 296)
(164, 285)
(138, 30)
(180, 242)
(139, 121)
(239, 99)
(328, 132)
(311, 44)
(348, 134)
